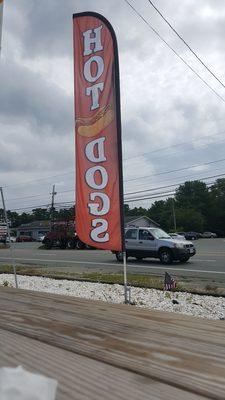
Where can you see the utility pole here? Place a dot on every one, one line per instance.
(52, 205)
(174, 216)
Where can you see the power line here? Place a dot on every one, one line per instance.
(186, 44)
(176, 184)
(150, 197)
(176, 170)
(170, 154)
(126, 194)
(37, 195)
(176, 178)
(160, 149)
(154, 195)
(41, 205)
(125, 159)
(175, 52)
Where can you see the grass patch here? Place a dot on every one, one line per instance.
(143, 281)
(211, 288)
(132, 280)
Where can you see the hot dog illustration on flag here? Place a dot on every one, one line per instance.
(99, 188)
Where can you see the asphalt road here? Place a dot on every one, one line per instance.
(207, 264)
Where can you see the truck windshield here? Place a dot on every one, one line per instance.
(159, 234)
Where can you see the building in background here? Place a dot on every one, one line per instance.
(34, 229)
(137, 221)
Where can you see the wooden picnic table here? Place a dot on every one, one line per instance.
(98, 350)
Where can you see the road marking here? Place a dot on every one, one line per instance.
(198, 259)
(47, 254)
(217, 253)
(117, 265)
(179, 269)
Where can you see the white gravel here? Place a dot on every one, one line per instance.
(189, 304)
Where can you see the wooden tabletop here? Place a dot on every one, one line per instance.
(104, 351)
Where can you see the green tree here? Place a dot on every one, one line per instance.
(216, 212)
(66, 214)
(126, 209)
(138, 211)
(161, 212)
(40, 214)
(190, 220)
(193, 195)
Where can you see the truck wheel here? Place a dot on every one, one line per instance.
(119, 256)
(72, 244)
(185, 259)
(80, 245)
(165, 256)
(63, 244)
(48, 244)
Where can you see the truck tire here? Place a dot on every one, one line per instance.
(80, 245)
(48, 244)
(119, 256)
(184, 259)
(63, 244)
(72, 243)
(165, 256)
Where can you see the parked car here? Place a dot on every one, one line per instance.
(192, 235)
(177, 236)
(219, 233)
(154, 242)
(40, 238)
(12, 239)
(24, 238)
(209, 235)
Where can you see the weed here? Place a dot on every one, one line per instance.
(189, 299)
(6, 284)
(211, 288)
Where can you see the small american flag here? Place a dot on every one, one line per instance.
(169, 282)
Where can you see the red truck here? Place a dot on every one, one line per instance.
(63, 235)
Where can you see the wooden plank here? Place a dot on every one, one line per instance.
(171, 321)
(135, 340)
(80, 377)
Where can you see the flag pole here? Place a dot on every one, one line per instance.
(8, 233)
(120, 161)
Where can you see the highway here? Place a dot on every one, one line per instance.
(208, 263)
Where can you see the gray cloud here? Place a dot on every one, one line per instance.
(27, 97)
(163, 103)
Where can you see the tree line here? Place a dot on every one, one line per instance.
(38, 214)
(196, 206)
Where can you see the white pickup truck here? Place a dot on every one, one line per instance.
(154, 242)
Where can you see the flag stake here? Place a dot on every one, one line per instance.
(8, 233)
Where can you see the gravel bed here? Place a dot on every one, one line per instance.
(180, 302)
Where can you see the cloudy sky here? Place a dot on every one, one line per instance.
(171, 120)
